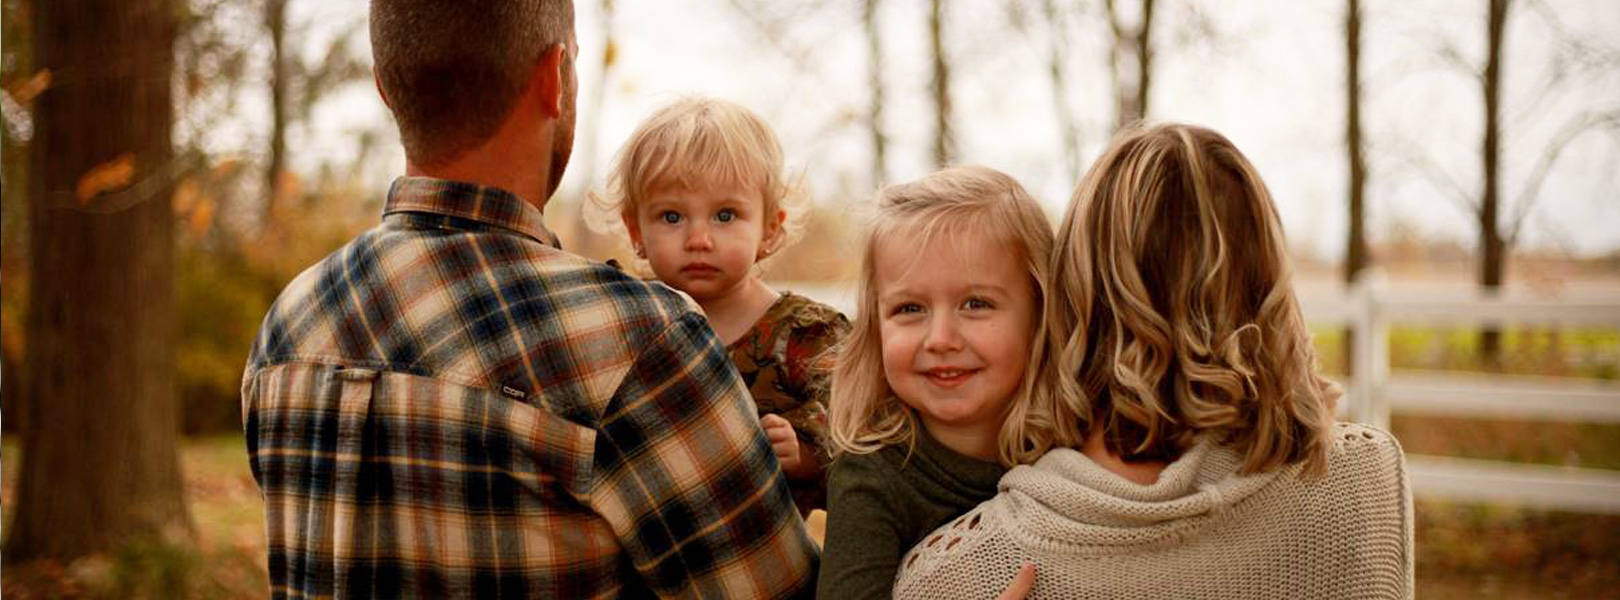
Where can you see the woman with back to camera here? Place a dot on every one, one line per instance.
(1201, 457)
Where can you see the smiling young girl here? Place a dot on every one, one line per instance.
(701, 190)
(931, 398)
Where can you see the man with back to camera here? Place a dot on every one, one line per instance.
(451, 406)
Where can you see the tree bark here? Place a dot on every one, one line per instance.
(1491, 247)
(99, 466)
(943, 150)
(1355, 255)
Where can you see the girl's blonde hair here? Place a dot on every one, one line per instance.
(697, 140)
(1174, 314)
(864, 414)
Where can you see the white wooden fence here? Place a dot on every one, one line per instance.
(1375, 392)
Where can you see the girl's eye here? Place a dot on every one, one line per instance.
(725, 215)
(670, 216)
(906, 309)
(977, 304)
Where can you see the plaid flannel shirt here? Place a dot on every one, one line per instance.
(450, 406)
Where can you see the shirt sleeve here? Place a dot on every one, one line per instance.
(687, 479)
(864, 542)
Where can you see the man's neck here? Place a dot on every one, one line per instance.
(527, 183)
(516, 158)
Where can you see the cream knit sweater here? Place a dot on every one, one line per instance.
(1201, 531)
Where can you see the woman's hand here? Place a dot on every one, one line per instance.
(1021, 584)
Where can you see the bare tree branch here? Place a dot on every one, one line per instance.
(774, 32)
(1574, 128)
(1451, 57)
(1427, 169)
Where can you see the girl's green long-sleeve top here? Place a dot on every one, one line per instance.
(880, 504)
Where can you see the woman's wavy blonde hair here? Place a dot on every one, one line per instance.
(1174, 314)
(696, 140)
(864, 414)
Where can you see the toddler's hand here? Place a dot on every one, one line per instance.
(783, 441)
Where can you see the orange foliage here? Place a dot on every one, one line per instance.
(23, 91)
(105, 177)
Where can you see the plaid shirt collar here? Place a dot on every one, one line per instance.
(484, 204)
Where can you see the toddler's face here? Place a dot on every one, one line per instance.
(703, 241)
(956, 316)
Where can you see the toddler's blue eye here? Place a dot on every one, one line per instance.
(670, 216)
(977, 304)
(907, 308)
(725, 216)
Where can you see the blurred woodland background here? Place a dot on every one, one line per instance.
(168, 165)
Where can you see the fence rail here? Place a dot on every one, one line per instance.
(1504, 397)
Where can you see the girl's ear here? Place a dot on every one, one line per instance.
(634, 228)
(775, 233)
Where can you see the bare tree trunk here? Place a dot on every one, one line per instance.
(1131, 84)
(1068, 129)
(943, 151)
(874, 84)
(1492, 249)
(275, 18)
(1116, 68)
(1355, 255)
(99, 467)
(1144, 59)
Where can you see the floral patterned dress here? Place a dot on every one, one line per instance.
(786, 361)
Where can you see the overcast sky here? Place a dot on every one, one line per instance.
(1270, 78)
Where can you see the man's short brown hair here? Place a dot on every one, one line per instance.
(453, 70)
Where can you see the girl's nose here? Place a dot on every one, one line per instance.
(944, 335)
(697, 238)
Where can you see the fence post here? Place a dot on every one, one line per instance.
(1370, 365)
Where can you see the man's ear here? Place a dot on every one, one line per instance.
(551, 74)
(377, 79)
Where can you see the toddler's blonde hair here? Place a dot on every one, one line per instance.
(864, 414)
(697, 140)
(1173, 311)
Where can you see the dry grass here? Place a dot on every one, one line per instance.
(226, 559)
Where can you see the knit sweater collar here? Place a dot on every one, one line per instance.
(1066, 498)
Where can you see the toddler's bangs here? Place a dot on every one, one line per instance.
(691, 155)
